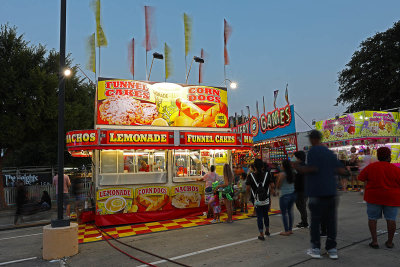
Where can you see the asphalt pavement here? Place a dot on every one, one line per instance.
(221, 245)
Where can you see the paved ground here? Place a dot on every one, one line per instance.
(233, 245)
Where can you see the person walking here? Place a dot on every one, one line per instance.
(228, 191)
(354, 168)
(285, 184)
(259, 184)
(20, 200)
(65, 194)
(320, 187)
(301, 198)
(382, 194)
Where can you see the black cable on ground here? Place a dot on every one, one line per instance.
(138, 249)
(349, 245)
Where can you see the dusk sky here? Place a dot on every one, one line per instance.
(302, 43)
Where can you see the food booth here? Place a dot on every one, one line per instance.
(151, 143)
(364, 130)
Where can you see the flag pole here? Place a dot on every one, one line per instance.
(99, 62)
(225, 75)
(147, 78)
(186, 66)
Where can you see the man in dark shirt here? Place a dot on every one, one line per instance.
(320, 187)
(301, 199)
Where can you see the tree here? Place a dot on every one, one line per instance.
(29, 102)
(371, 80)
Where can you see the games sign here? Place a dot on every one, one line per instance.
(278, 122)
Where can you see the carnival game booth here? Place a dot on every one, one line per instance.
(275, 136)
(364, 130)
(148, 154)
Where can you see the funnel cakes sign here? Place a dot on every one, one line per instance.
(128, 102)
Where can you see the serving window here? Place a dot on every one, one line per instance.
(133, 166)
(190, 164)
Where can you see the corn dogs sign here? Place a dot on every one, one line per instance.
(128, 102)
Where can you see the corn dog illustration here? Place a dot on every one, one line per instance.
(188, 108)
(208, 118)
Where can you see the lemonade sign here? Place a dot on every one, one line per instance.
(114, 200)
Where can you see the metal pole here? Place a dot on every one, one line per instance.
(151, 66)
(61, 99)
(99, 62)
(147, 77)
(187, 76)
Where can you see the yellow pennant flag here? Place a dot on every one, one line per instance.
(188, 32)
(101, 37)
(91, 50)
(167, 61)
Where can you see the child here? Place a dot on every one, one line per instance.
(214, 203)
(243, 194)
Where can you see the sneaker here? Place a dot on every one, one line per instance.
(332, 253)
(214, 221)
(315, 253)
(302, 225)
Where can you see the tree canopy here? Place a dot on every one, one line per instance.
(371, 80)
(29, 101)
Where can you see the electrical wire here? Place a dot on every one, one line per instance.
(303, 120)
(138, 249)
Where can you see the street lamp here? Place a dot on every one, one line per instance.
(195, 59)
(155, 56)
(232, 85)
(67, 72)
(60, 221)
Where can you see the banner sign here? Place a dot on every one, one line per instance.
(149, 199)
(210, 139)
(242, 128)
(278, 122)
(129, 102)
(81, 138)
(360, 125)
(114, 200)
(137, 137)
(28, 177)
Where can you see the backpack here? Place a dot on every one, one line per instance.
(261, 195)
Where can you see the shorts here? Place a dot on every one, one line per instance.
(217, 209)
(374, 212)
(65, 199)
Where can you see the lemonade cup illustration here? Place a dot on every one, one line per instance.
(115, 204)
(165, 95)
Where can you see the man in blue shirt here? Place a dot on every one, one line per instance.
(321, 169)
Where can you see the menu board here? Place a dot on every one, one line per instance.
(129, 102)
(359, 125)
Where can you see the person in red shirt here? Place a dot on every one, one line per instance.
(144, 167)
(382, 194)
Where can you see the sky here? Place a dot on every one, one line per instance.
(300, 43)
